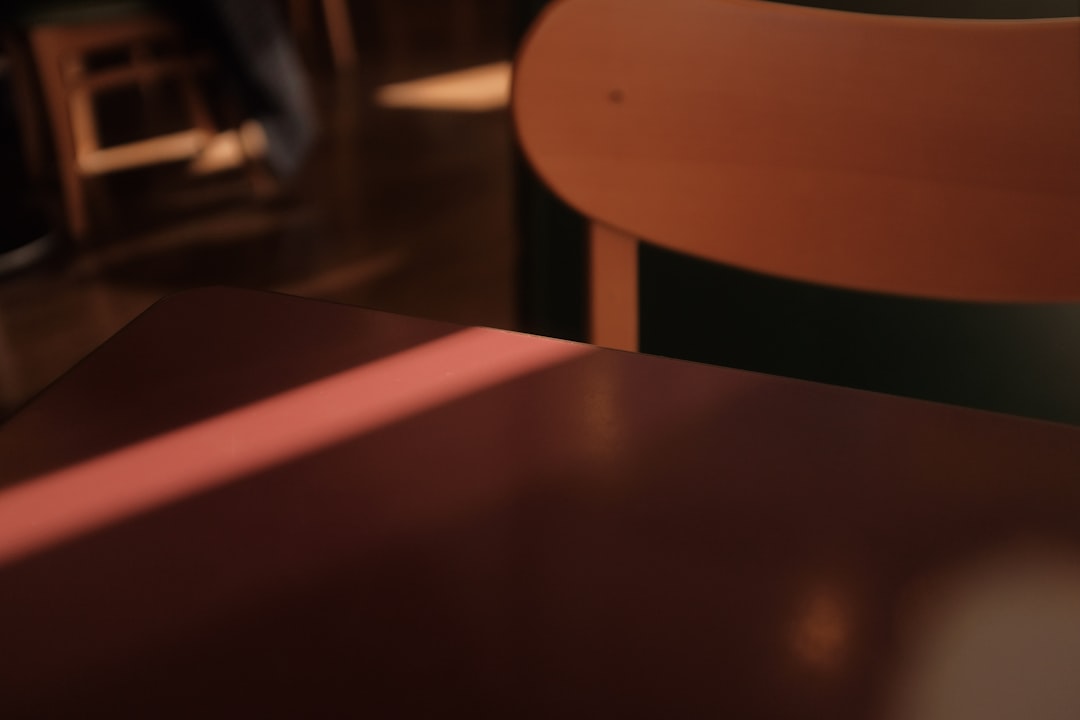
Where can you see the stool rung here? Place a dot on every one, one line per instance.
(175, 147)
(132, 75)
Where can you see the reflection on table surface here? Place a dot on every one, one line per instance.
(539, 529)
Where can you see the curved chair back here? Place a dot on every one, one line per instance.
(915, 156)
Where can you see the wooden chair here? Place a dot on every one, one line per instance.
(923, 157)
(62, 47)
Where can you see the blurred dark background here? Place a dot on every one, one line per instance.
(427, 208)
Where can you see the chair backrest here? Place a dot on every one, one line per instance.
(915, 156)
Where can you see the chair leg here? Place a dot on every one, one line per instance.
(48, 50)
(613, 269)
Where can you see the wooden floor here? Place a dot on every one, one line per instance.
(400, 209)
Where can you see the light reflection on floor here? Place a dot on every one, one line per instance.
(479, 89)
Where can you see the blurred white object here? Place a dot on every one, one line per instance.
(479, 89)
(1001, 640)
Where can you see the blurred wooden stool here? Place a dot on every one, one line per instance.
(148, 49)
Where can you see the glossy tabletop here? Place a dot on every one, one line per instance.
(250, 505)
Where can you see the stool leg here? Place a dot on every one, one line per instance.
(26, 107)
(342, 39)
(80, 99)
(48, 52)
(198, 109)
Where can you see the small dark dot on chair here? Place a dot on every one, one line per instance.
(616, 96)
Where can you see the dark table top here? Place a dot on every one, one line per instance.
(250, 505)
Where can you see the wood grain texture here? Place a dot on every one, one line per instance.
(927, 157)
